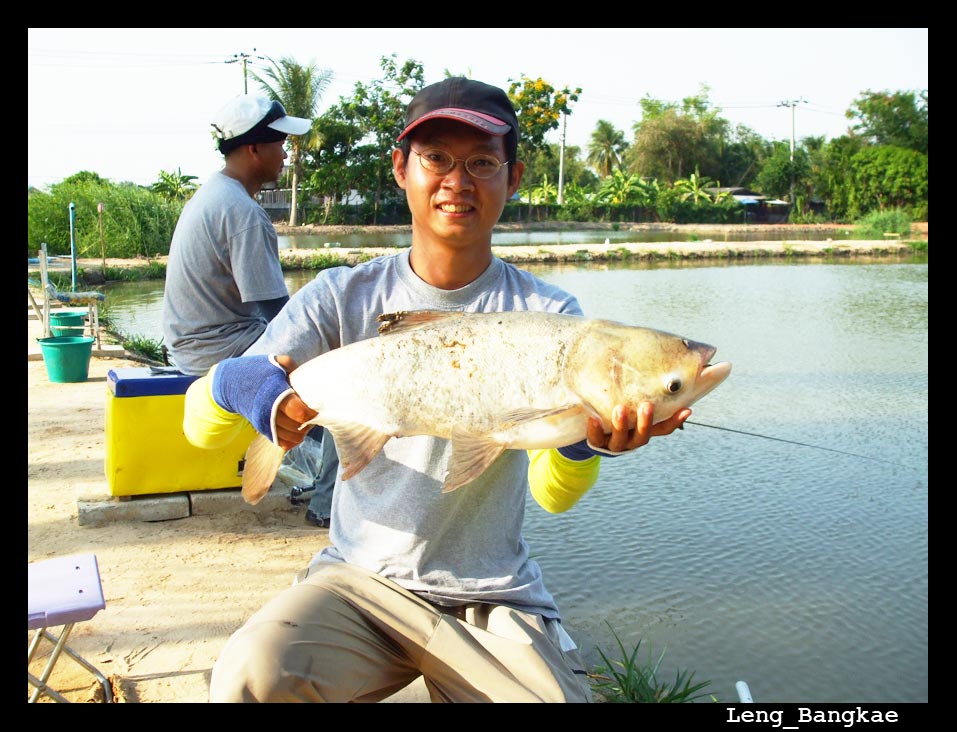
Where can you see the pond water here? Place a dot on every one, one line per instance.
(802, 571)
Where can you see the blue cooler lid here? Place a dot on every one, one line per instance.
(140, 382)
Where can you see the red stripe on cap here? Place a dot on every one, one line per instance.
(455, 112)
(484, 122)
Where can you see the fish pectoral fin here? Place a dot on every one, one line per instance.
(471, 456)
(261, 466)
(356, 444)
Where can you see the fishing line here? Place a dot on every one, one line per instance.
(802, 444)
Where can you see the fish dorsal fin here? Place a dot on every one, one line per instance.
(409, 319)
(260, 468)
(356, 444)
(471, 455)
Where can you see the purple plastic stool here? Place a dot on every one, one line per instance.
(62, 591)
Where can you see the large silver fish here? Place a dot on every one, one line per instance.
(488, 382)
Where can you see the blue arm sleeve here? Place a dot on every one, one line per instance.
(252, 386)
(584, 450)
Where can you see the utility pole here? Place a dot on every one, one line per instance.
(244, 57)
(561, 163)
(572, 97)
(792, 103)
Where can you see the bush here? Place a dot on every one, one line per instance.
(136, 221)
(874, 225)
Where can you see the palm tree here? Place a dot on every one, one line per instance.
(299, 89)
(606, 148)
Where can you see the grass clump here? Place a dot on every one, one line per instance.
(627, 681)
(149, 349)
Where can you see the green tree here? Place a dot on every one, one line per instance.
(742, 156)
(379, 109)
(299, 89)
(832, 177)
(606, 148)
(338, 165)
(885, 177)
(174, 186)
(539, 107)
(673, 138)
(885, 118)
(86, 177)
(779, 171)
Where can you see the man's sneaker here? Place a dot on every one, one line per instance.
(317, 521)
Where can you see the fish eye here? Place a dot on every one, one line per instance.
(674, 386)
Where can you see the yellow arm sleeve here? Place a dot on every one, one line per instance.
(558, 482)
(205, 423)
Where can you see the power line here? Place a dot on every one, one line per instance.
(244, 57)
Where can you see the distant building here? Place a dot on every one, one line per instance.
(758, 209)
(277, 202)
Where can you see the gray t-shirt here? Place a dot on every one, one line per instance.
(223, 260)
(392, 518)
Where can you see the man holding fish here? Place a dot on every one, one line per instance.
(418, 581)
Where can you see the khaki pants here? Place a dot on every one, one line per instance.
(345, 634)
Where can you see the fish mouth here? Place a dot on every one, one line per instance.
(711, 376)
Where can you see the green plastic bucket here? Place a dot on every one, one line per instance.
(67, 323)
(67, 358)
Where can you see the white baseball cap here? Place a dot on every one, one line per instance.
(249, 118)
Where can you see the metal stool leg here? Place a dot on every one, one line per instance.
(60, 647)
(59, 644)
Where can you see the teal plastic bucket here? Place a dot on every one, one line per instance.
(67, 358)
(67, 323)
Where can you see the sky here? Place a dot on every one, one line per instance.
(127, 103)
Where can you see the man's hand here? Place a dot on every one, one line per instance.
(631, 429)
(257, 387)
(292, 413)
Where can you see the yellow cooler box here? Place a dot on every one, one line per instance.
(146, 449)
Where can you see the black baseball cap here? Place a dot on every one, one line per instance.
(475, 103)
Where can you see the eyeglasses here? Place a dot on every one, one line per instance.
(441, 162)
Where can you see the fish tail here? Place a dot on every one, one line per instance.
(263, 459)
